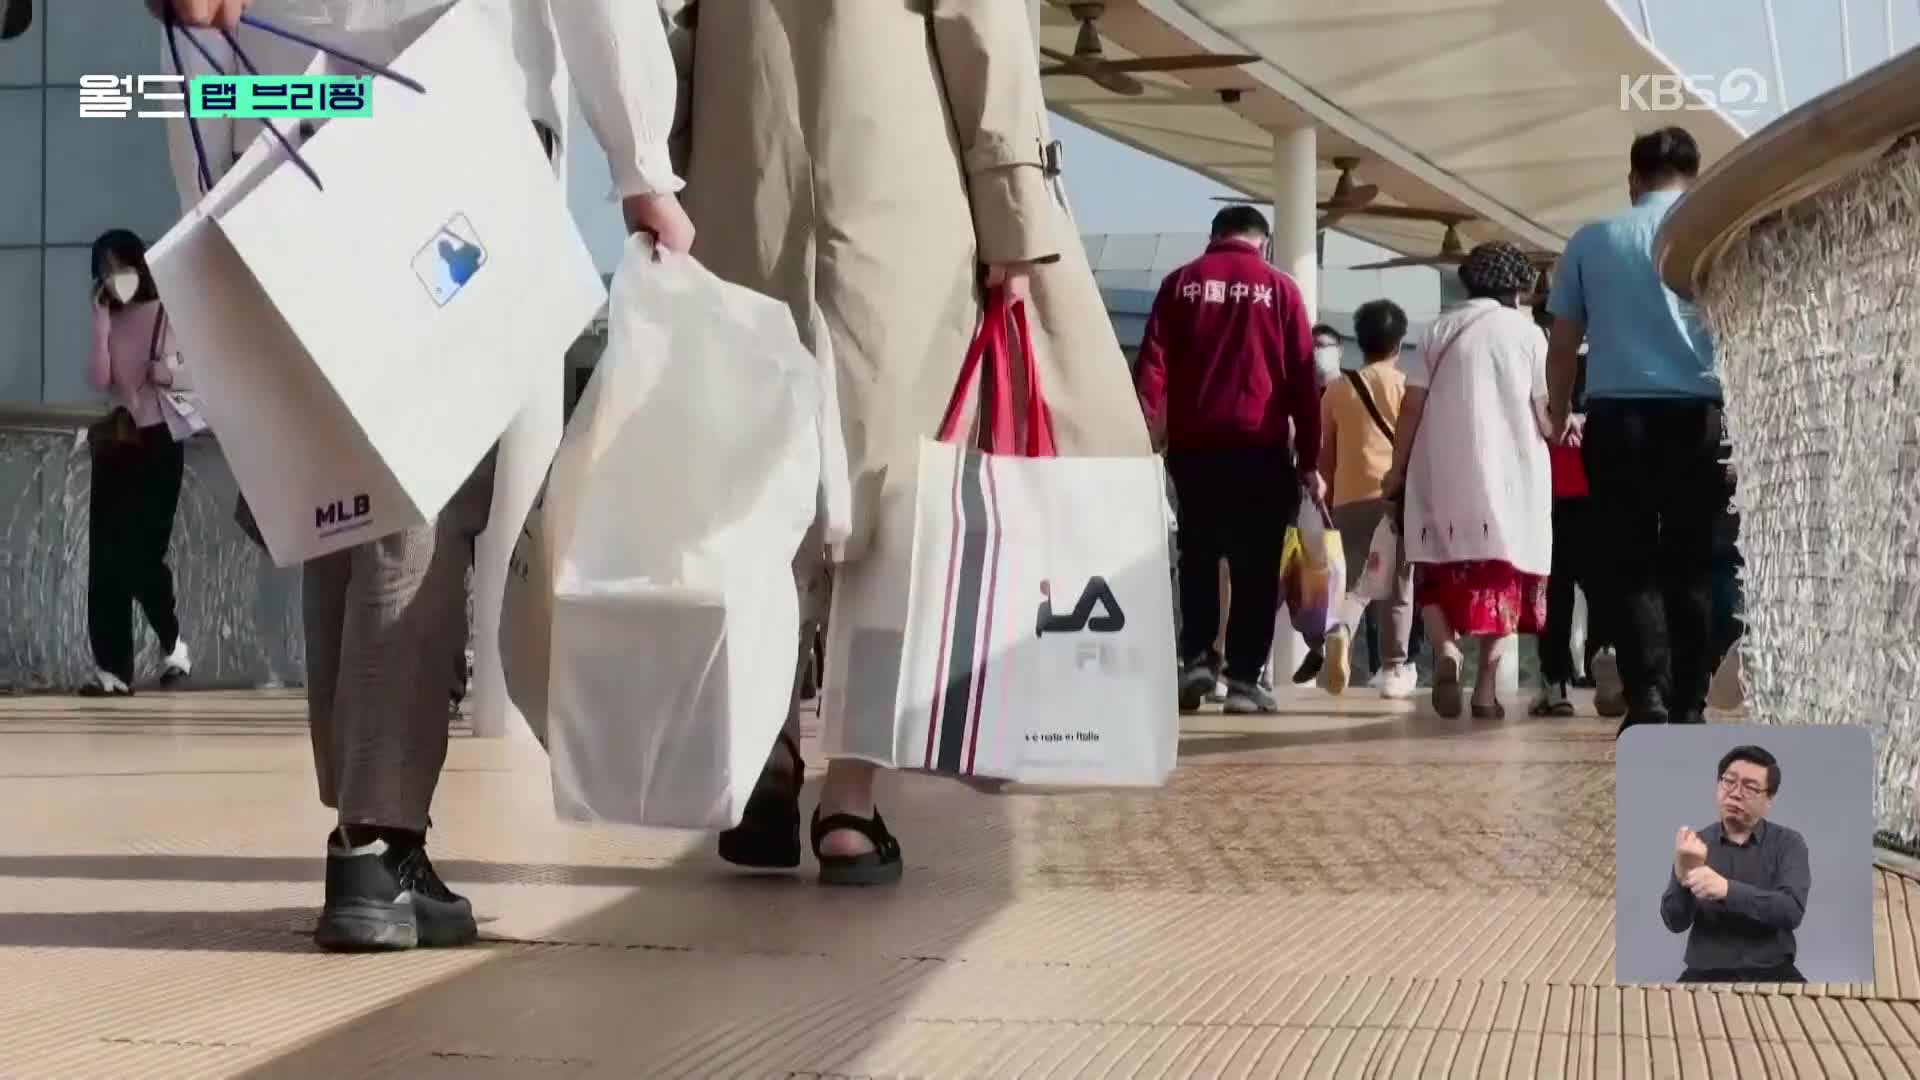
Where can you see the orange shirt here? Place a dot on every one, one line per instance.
(1353, 450)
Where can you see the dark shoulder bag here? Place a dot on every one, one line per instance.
(116, 432)
(1366, 399)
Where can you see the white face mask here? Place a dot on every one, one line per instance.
(123, 285)
(1326, 359)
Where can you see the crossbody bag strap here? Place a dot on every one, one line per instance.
(1433, 376)
(153, 347)
(1366, 399)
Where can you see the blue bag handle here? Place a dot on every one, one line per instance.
(175, 31)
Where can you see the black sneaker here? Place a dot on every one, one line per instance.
(382, 897)
(1309, 669)
(1641, 718)
(1197, 681)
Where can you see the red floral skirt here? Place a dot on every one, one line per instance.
(1485, 598)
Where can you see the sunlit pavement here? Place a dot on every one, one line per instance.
(1341, 891)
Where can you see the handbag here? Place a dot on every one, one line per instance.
(116, 432)
(179, 405)
(1020, 627)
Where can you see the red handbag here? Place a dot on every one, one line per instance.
(1569, 472)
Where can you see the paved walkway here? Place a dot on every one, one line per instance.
(1359, 894)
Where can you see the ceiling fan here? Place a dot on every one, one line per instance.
(1452, 253)
(1089, 61)
(1350, 198)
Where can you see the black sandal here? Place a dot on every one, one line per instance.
(881, 866)
(768, 836)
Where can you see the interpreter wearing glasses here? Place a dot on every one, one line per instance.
(1739, 886)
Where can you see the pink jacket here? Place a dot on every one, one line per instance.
(128, 363)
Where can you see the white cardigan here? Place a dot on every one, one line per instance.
(615, 52)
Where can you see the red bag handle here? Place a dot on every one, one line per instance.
(998, 429)
(1040, 439)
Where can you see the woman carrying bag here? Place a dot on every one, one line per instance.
(137, 470)
(1470, 471)
(875, 165)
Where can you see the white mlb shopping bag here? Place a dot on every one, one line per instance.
(357, 348)
(1016, 622)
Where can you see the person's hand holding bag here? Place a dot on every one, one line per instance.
(1017, 278)
(661, 217)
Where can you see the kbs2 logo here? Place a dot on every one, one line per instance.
(1097, 594)
(342, 514)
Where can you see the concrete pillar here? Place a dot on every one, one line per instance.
(1296, 219)
(1296, 213)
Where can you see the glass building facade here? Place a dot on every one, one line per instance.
(63, 181)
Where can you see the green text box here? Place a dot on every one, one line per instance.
(280, 95)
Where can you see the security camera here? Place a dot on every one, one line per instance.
(1230, 97)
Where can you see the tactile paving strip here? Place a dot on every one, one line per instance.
(1288, 907)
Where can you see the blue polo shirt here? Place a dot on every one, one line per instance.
(1643, 341)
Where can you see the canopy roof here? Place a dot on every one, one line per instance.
(1509, 110)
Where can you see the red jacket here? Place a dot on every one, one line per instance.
(1227, 359)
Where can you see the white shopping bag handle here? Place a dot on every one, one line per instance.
(175, 30)
(1319, 503)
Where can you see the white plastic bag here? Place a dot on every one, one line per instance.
(686, 481)
(1378, 576)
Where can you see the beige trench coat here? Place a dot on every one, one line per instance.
(860, 159)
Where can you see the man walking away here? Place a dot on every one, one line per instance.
(1329, 352)
(1650, 440)
(1739, 886)
(1226, 378)
(1573, 560)
(1357, 414)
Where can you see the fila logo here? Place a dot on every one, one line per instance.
(1097, 594)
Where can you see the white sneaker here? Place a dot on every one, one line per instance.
(1399, 682)
(1339, 659)
(178, 664)
(104, 684)
(1250, 699)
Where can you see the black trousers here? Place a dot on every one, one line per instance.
(1780, 973)
(1234, 505)
(1575, 551)
(136, 489)
(1659, 491)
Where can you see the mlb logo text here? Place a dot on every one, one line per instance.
(342, 514)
